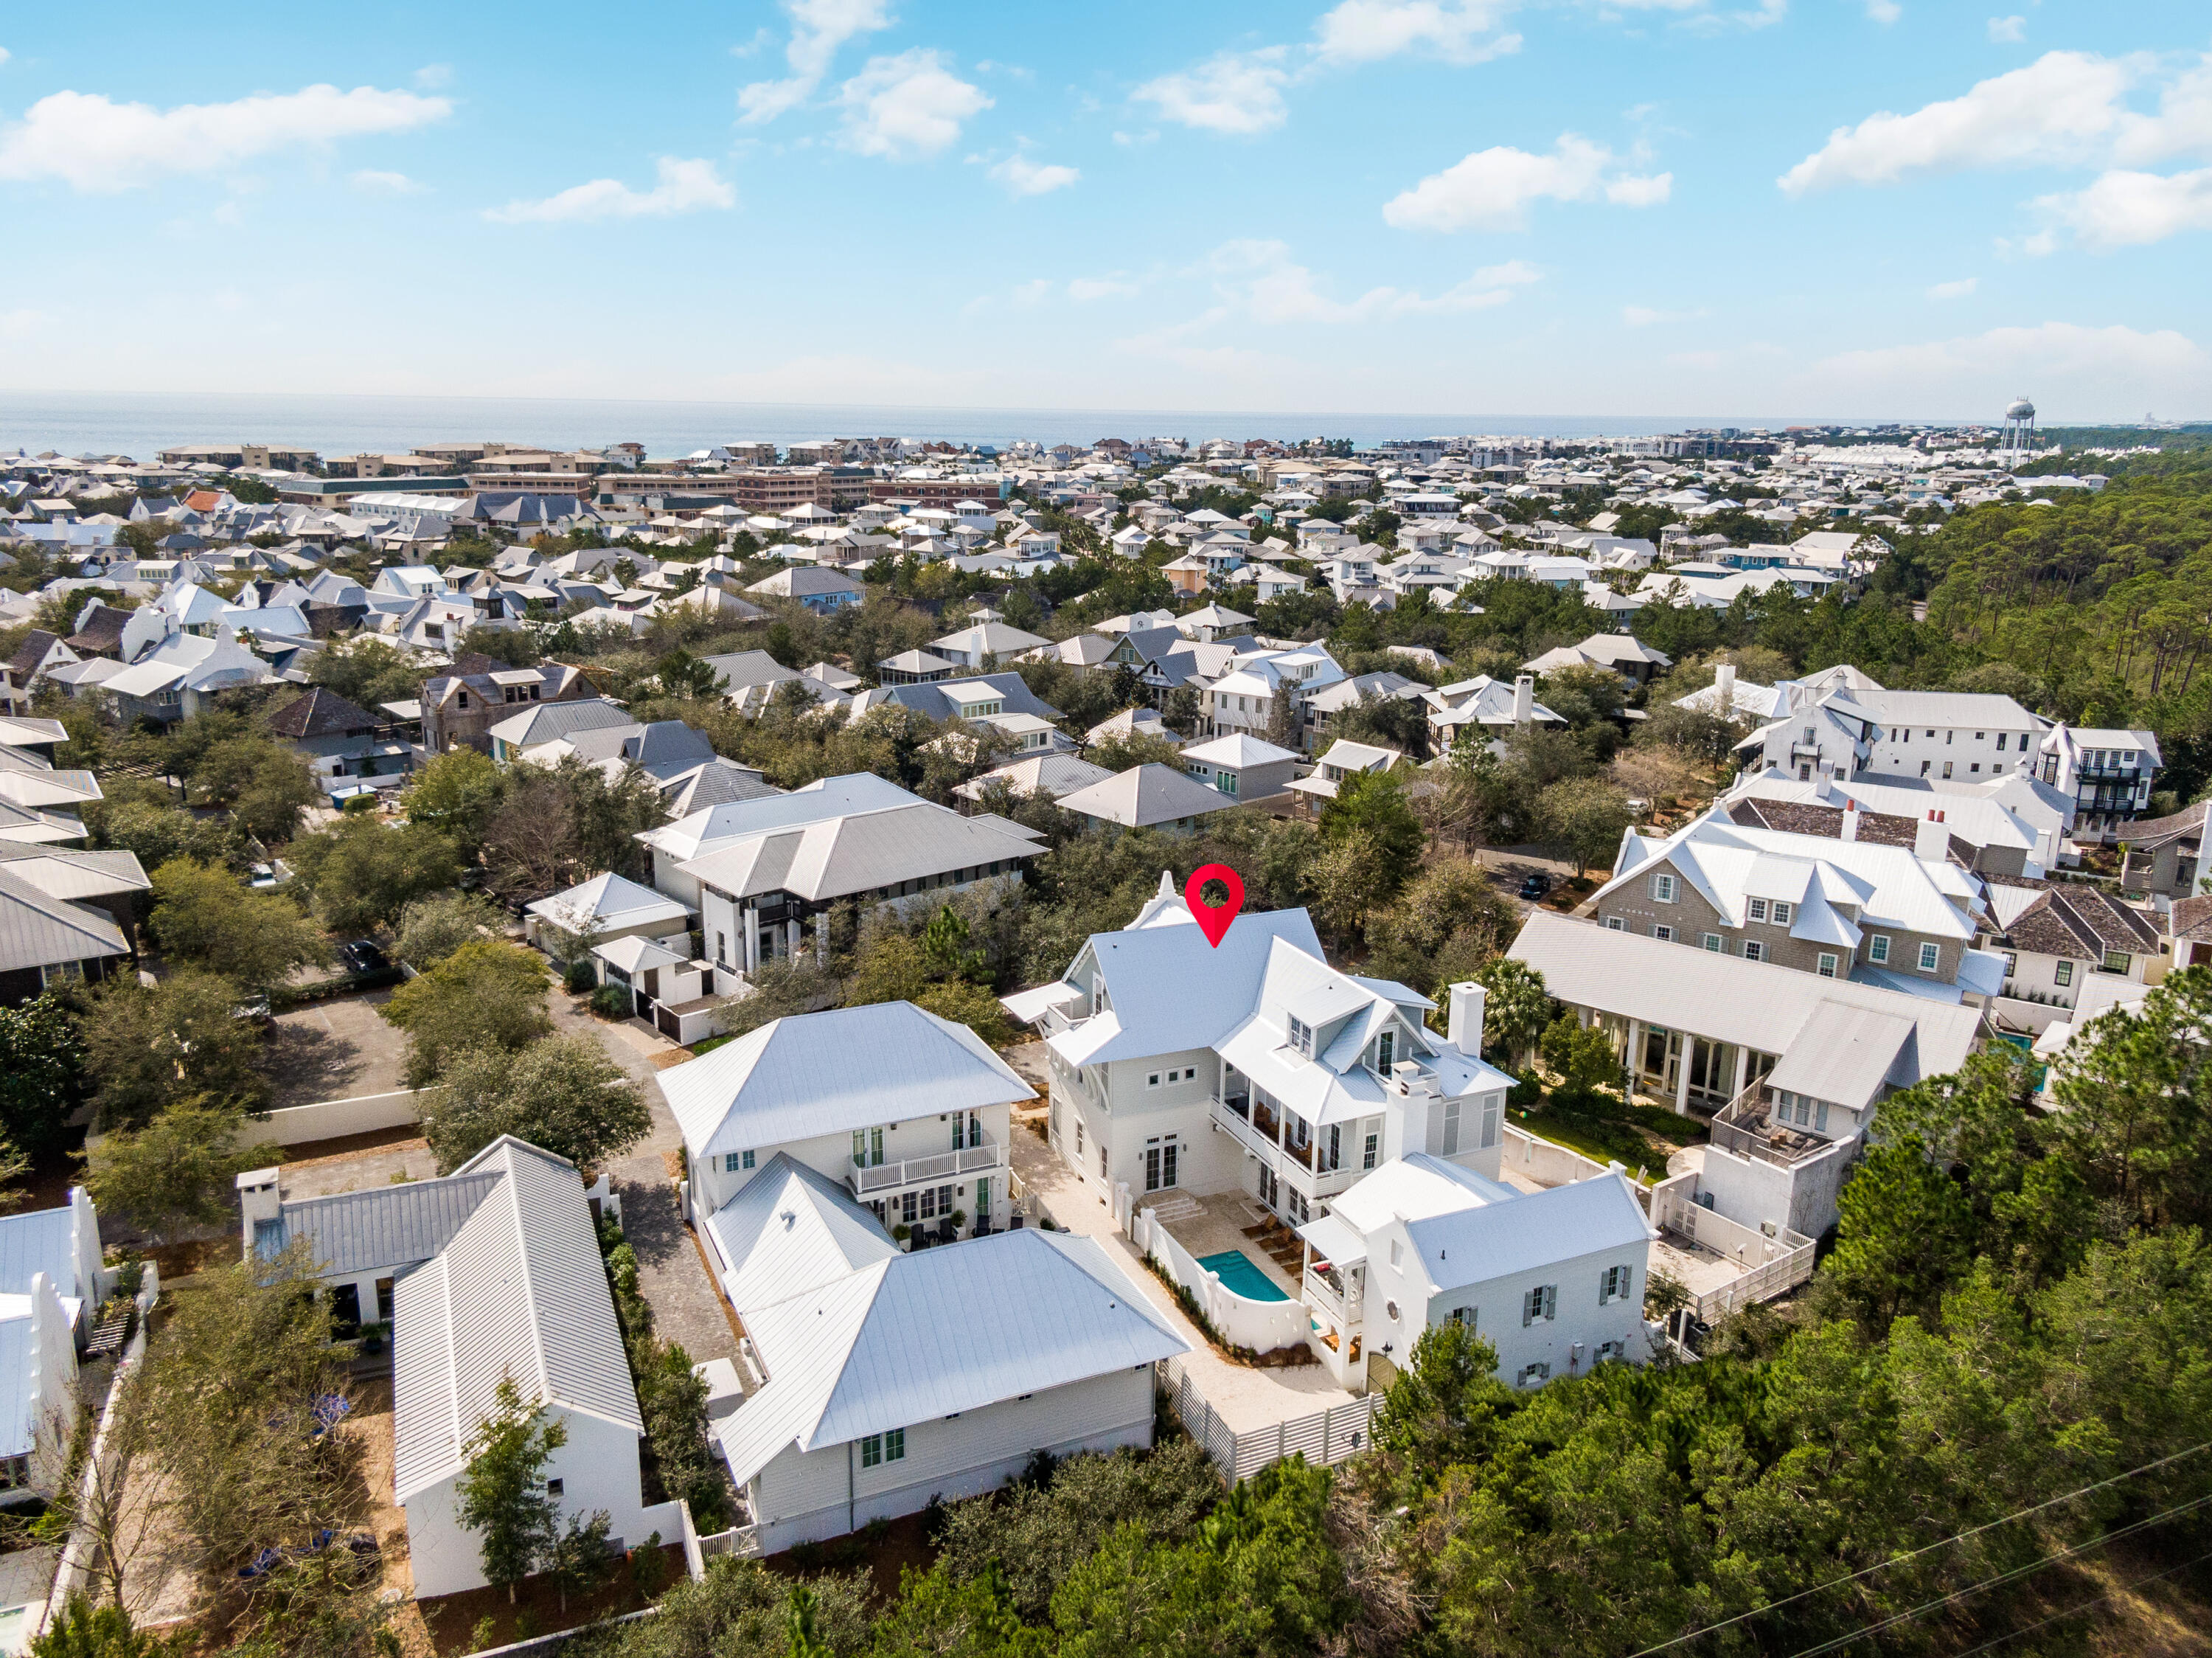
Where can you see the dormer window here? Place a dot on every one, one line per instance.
(1301, 1036)
(1781, 913)
(1386, 1051)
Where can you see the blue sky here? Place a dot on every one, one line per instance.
(1858, 209)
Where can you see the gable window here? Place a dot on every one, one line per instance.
(2062, 974)
(1386, 1050)
(1663, 889)
(1664, 935)
(732, 1162)
(1878, 948)
(1540, 1305)
(1451, 1128)
(1753, 950)
(1612, 1286)
(2116, 962)
(1827, 966)
(1930, 956)
(1758, 909)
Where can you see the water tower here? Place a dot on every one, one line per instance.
(2019, 441)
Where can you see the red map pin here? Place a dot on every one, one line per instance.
(1213, 919)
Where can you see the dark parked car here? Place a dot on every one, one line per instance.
(362, 958)
(1535, 886)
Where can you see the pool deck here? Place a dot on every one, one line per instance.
(1214, 1225)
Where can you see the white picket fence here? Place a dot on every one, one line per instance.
(1324, 1437)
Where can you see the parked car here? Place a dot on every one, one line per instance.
(362, 958)
(1535, 886)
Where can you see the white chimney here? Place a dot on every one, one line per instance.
(1931, 838)
(1524, 699)
(1724, 690)
(1850, 820)
(1463, 1028)
(257, 1200)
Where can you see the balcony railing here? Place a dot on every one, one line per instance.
(920, 1171)
(1325, 1289)
(1743, 1128)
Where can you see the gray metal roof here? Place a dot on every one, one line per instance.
(39, 931)
(543, 721)
(827, 1073)
(1147, 795)
(391, 1226)
(519, 1291)
(39, 1241)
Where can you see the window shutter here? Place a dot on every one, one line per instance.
(1551, 1300)
(1528, 1300)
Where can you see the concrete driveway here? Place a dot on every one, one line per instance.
(687, 1308)
(341, 1049)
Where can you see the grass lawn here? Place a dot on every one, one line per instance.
(1604, 1142)
(699, 1049)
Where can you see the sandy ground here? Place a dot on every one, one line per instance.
(1245, 1399)
(340, 1049)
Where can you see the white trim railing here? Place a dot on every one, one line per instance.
(919, 1171)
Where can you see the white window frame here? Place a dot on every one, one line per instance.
(1614, 1284)
(1616, 924)
(1753, 950)
(1665, 935)
(1756, 909)
(1783, 911)
(1826, 968)
(1663, 888)
(1878, 949)
(1713, 942)
(1931, 956)
(1540, 1305)
(1538, 1373)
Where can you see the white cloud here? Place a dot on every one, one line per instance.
(1456, 31)
(1259, 279)
(2127, 210)
(1083, 289)
(1491, 189)
(92, 144)
(431, 77)
(1034, 292)
(1234, 91)
(1884, 11)
(378, 183)
(2111, 367)
(2064, 108)
(818, 29)
(1962, 289)
(1024, 177)
(3, 58)
(907, 107)
(2008, 31)
(685, 187)
(1643, 316)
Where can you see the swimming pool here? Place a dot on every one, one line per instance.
(1241, 1276)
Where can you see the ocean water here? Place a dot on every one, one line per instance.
(80, 422)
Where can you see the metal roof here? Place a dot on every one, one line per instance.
(543, 721)
(1147, 795)
(858, 851)
(519, 1291)
(39, 931)
(877, 1348)
(393, 1227)
(792, 1229)
(1725, 998)
(827, 1073)
(41, 1241)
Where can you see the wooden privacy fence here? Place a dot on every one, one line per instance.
(1323, 1437)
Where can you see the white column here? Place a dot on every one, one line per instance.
(1682, 1073)
(1634, 1064)
(1742, 1071)
(792, 940)
(752, 940)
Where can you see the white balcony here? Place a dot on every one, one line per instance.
(880, 1178)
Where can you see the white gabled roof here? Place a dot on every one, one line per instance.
(1145, 795)
(823, 1073)
(519, 1291)
(917, 1337)
(608, 899)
